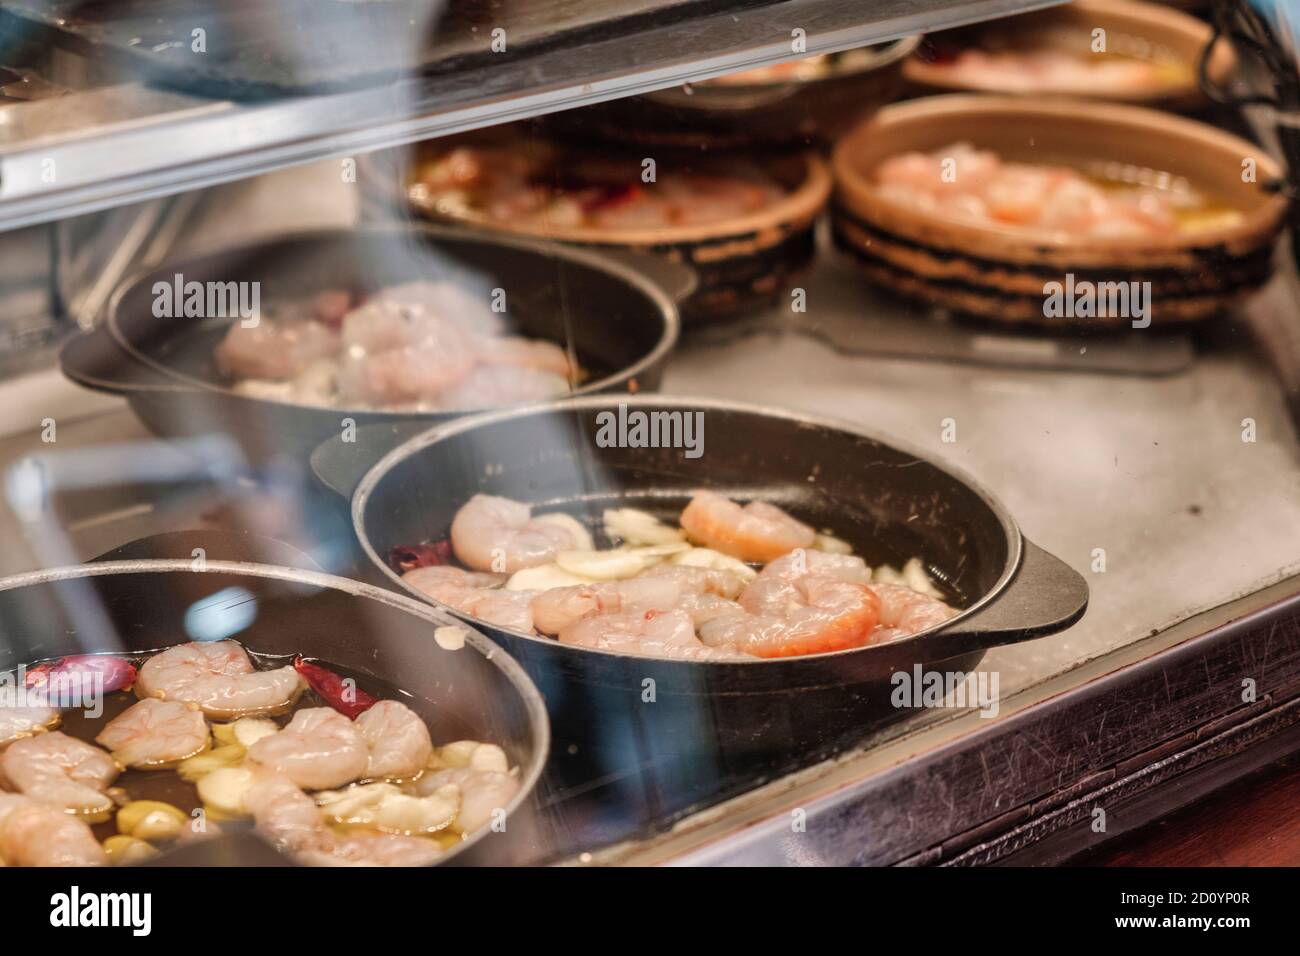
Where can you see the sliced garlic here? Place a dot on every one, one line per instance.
(914, 577)
(354, 806)
(581, 536)
(387, 808)
(637, 527)
(195, 768)
(224, 733)
(405, 814)
(449, 637)
(459, 753)
(249, 730)
(543, 577)
(150, 820)
(665, 550)
(708, 558)
(489, 757)
(605, 565)
(223, 790)
(831, 544)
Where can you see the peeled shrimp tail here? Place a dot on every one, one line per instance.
(476, 594)
(220, 679)
(756, 532)
(501, 535)
(61, 771)
(318, 749)
(286, 815)
(156, 733)
(35, 834)
(821, 613)
(909, 612)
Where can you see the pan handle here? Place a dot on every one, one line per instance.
(341, 465)
(95, 360)
(1044, 596)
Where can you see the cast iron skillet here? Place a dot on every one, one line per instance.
(476, 692)
(891, 503)
(622, 332)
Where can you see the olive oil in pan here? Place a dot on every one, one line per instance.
(166, 785)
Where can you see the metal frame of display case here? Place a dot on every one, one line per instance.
(145, 142)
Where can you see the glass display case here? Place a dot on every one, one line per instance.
(645, 431)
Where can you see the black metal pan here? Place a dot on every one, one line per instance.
(889, 502)
(755, 114)
(622, 325)
(131, 607)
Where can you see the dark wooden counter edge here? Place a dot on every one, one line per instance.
(1138, 743)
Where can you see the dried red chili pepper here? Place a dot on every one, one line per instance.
(116, 672)
(405, 557)
(341, 693)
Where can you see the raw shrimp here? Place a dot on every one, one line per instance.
(18, 722)
(393, 353)
(275, 349)
(793, 609)
(904, 612)
(398, 740)
(483, 793)
(155, 733)
(663, 588)
(757, 532)
(318, 749)
(774, 588)
(501, 535)
(492, 386)
(669, 634)
(705, 607)
(287, 815)
(292, 819)
(449, 300)
(34, 834)
(218, 677)
(960, 181)
(61, 771)
(475, 593)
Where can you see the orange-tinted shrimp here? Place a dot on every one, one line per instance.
(756, 532)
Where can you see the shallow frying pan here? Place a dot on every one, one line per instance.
(475, 692)
(621, 324)
(889, 502)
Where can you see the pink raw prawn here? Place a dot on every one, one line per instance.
(756, 532)
(61, 771)
(476, 594)
(664, 588)
(318, 749)
(648, 633)
(501, 535)
(155, 734)
(220, 679)
(36, 834)
(804, 603)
